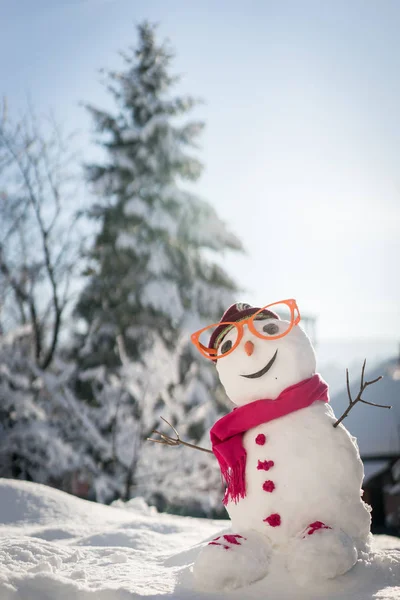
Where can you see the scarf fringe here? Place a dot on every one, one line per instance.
(235, 480)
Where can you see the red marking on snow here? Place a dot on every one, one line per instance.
(232, 539)
(274, 520)
(261, 439)
(217, 538)
(218, 544)
(315, 527)
(268, 486)
(265, 465)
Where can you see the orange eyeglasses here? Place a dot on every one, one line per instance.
(289, 315)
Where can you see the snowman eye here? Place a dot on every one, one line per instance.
(271, 328)
(226, 346)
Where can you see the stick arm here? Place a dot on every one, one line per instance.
(174, 441)
(363, 386)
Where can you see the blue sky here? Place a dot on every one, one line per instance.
(302, 139)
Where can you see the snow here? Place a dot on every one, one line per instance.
(146, 131)
(163, 295)
(54, 546)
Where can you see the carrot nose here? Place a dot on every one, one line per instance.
(249, 348)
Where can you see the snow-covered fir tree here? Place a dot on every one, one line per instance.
(152, 276)
(148, 267)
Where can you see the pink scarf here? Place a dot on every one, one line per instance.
(227, 433)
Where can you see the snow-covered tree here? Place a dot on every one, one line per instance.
(39, 234)
(148, 269)
(46, 435)
(154, 268)
(184, 480)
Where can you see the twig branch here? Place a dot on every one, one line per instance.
(22, 297)
(36, 162)
(176, 441)
(363, 386)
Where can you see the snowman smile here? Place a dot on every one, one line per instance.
(263, 370)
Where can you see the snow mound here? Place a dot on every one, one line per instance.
(26, 503)
(138, 505)
(56, 547)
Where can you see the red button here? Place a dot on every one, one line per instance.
(265, 465)
(268, 486)
(274, 520)
(260, 439)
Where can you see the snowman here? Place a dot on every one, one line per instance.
(293, 480)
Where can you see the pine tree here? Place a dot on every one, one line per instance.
(148, 271)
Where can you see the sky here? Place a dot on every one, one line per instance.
(302, 141)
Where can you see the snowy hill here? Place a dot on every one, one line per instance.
(56, 547)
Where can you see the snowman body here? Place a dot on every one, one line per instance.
(300, 469)
(302, 475)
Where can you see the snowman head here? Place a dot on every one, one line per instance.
(259, 352)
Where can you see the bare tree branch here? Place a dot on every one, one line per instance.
(176, 441)
(363, 386)
(24, 297)
(38, 207)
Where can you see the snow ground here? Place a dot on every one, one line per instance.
(54, 546)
